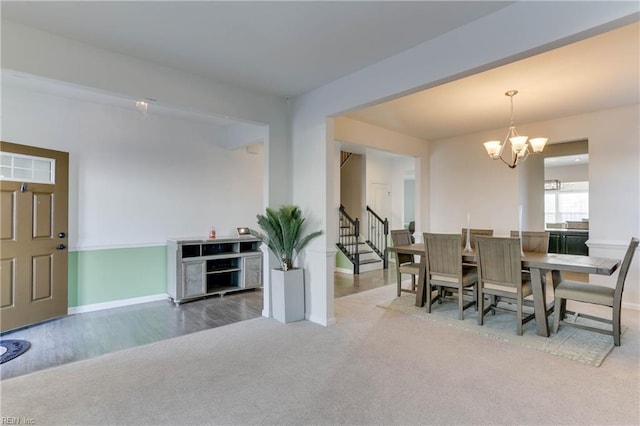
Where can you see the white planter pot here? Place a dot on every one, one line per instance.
(287, 294)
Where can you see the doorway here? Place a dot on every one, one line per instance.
(566, 198)
(381, 199)
(34, 186)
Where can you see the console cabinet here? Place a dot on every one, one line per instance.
(198, 268)
(569, 242)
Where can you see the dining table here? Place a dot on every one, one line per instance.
(538, 265)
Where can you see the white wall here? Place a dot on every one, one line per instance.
(137, 180)
(379, 174)
(384, 169)
(401, 168)
(465, 180)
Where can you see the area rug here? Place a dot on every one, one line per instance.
(9, 349)
(583, 346)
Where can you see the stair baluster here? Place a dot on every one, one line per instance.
(349, 240)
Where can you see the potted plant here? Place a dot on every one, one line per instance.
(283, 235)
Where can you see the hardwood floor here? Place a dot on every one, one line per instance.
(345, 284)
(82, 336)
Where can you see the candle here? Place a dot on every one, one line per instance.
(520, 220)
(520, 227)
(467, 246)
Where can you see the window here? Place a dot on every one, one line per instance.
(569, 203)
(26, 168)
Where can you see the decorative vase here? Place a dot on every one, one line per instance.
(287, 294)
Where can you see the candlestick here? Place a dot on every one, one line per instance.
(467, 246)
(520, 228)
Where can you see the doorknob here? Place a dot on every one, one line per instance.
(61, 235)
(61, 247)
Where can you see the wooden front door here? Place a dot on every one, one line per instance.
(33, 235)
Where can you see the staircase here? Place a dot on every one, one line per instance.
(363, 254)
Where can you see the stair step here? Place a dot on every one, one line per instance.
(367, 251)
(367, 261)
(353, 244)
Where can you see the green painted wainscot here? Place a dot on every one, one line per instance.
(99, 276)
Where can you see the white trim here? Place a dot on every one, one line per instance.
(631, 306)
(344, 270)
(320, 321)
(116, 303)
(607, 244)
(118, 246)
(328, 252)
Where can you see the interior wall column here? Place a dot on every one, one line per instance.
(531, 193)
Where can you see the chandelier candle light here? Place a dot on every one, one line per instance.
(519, 146)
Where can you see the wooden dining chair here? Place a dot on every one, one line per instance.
(533, 241)
(444, 269)
(597, 295)
(472, 235)
(500, 276)
(405, 263)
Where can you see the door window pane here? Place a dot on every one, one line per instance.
(26, 168)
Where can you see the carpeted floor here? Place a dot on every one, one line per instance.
(373, 366)
(572, 343)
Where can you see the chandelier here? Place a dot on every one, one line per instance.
(519, 144)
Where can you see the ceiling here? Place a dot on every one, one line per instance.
(566, 160)
(290, 48)
(598, 73)
(286, 48)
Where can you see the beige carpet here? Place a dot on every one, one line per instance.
(374, 366)
(572, 343)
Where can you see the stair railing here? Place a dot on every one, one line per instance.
(349, 233)
(344, 157)
(377, 235)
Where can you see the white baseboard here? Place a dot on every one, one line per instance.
(321, 321)
(344, 270)
(631, 306)
(116, 304)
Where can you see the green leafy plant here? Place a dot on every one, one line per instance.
(282, 229)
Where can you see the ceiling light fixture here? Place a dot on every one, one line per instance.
(519, 144)
(142, 106)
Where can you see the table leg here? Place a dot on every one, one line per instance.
(556, 277)
(399, 279)
(539, 302)
(421, 295)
